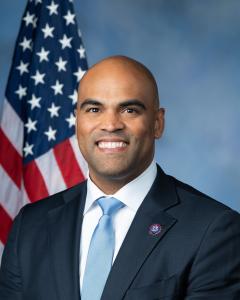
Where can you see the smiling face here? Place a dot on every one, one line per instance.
(117, 122)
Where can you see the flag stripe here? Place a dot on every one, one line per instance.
(1, 251)
(81, 161)
(25, 199)
(34, 183)
(50, 171)
(5, 224)
(12, 126)
(11, 196)
(10, 159)
(68, 164)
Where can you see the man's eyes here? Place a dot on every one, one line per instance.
(130, 110)
(93, 109)
(127, 110)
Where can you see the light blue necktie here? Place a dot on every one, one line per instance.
(100, 253)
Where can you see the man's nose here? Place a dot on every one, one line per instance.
(111, 121)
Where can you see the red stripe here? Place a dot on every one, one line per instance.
(68, 163)
(34, 183)
(5, 225)
(10, 159)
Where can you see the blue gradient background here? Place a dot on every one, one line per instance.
(193, 49)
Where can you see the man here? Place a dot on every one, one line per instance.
(165, 240)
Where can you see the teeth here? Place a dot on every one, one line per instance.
(111, 145)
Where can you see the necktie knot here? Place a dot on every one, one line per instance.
(109, 205)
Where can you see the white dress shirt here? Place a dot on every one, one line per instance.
(132, 195)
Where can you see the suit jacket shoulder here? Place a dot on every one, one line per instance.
(197, 205)
(44, 243)
(39, 209)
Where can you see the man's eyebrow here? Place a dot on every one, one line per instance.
(89, 102)
(126, 103)
(132, 102)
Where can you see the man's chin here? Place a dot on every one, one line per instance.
(112, 173)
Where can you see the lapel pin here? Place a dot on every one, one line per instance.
(155, 229)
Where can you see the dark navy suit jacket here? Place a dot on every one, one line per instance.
(195, 256)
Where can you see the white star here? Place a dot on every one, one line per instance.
(29, 19)
(43, 54)
(57, 88)
(35, 22)
(28, 149)
(50, 133)
(79, 74)
(61, 64)
(81, 52)
(23, 67)
(53, 110)
(71, 120)
(38, 1)
(74, 97)
(38, 78)
(26, 44)
(22, 91)
(66, 42)
(31, 125)
(52, 8)
(69, 18)
(48, 31)
(34, 102)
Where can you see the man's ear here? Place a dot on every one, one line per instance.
(159, 123)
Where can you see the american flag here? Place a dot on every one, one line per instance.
(39, 155)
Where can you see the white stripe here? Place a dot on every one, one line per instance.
(82, 162)
(1, 251)
(25, 199)
(10, 195)
(51, 173)
(12, 126)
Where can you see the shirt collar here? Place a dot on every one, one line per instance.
(131, 194)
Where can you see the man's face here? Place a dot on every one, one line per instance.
(117, 123)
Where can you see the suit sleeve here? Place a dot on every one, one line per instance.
(216, 269)
(10, 273)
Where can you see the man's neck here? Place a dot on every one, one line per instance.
(110, 185)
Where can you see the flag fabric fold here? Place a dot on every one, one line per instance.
(39, 155)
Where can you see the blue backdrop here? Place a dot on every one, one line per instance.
(193, 49)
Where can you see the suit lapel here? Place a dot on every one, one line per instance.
(139, 241)
(64, 225)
